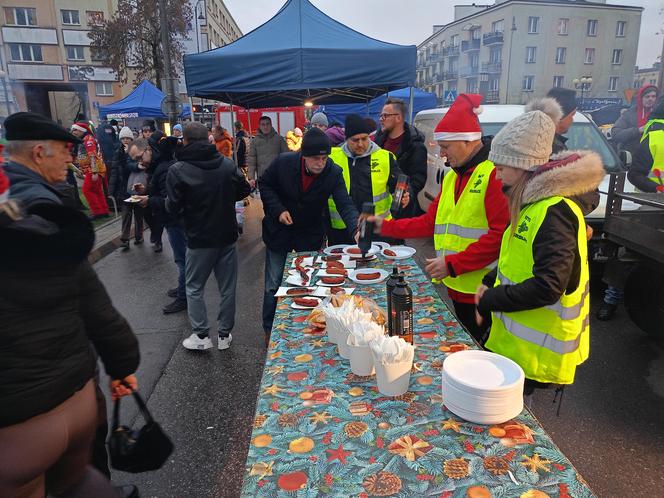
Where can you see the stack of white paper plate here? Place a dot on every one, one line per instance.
(482, 387)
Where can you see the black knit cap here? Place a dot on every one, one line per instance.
(315, 143)
(33, 126)
(355, 124)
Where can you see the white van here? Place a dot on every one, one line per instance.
(583, 134)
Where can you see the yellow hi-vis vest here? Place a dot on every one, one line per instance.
(656, 145)
(548, 342)
(380, 173)
(459, 224)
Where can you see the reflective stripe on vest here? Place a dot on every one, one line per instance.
(656, 146)
(460, 223)
(380, 173)
(547, 342)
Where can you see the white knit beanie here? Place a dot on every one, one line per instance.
(526, 142)
(126, 132)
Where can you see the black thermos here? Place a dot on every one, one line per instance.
(402, 310)
(389, 287)
(366, 228)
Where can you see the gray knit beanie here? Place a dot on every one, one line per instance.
(319, 118)
(526, 141)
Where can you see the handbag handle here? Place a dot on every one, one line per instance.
(141, 406)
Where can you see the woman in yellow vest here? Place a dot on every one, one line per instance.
(537, 297)
(647, 170)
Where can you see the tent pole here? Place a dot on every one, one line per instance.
(249, 120)
(410, 105)
(233, 131)
(191, 109)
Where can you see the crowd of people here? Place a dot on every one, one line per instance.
(508, 231)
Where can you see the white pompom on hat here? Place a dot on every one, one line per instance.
(460, 121)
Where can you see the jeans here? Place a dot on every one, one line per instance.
(199, 264)
(178, 241)
(274, 271)
(613, 295)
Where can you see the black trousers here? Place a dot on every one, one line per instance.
(465, 313)
(156, 228)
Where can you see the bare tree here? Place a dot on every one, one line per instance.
(130, 40)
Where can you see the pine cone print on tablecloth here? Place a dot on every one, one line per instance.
(407, 397)
(497, 465)
(437, 364)
(456, 468)
(382, 484)
(355, 429)
(259, 420)
(419, 409)
(288, 420)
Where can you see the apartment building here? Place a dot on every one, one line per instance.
(46, 59)
(647, 75)
(513, 50)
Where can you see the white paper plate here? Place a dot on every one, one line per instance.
(484, 419)
(320, 282)
(331, 249)
(324, 290)
(296, 280)
(374, 249)
(132, 201)
(402, 252)
(383, 275)
(308, 261)
(483, 372)
(298, 307)
(381, 245)
(282, 291)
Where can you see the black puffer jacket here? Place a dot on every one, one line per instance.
(411, 156)
(54, 310)
(202, 190)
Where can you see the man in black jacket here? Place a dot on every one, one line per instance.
(407, 143)
(202, 190)
(294, 190)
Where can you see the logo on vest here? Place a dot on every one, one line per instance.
(477, 183)
(375, 165)
(522, 228)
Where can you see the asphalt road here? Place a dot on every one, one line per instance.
(611, 423)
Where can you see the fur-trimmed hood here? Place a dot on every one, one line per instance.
(566, 174)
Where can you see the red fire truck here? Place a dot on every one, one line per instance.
(283, 118)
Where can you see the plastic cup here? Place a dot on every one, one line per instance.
(361, 359)
(393, 379)
(342, 342)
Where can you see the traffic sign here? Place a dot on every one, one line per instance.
(449, 96)
(165, 105)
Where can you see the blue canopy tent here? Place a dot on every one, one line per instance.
(300, 55)
(144, 101)
(421, 100)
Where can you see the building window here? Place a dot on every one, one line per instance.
(528, 83)
(653, 81)
(495, 55)
(616, 58)
(94, 17)
(104, 88)
(97, 55)
(561, 53)
(474, 61)
(475, 34)
(494, 84)
(22, 52)
(620, 28)
(471, 86)
(558, 81)
(533, 25)
(613, 83)
(590, 56)
(498, 26)
(75, 53)
(530, 54)
(70, 17)
(20, 16)
(592, 27)
(455, 40)
(562, 26)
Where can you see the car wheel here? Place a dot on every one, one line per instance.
(644, 299)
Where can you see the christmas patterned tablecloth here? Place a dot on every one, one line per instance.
(320, 430)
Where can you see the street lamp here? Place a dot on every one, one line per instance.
(3, 76)
(200, 17)
(584, 83)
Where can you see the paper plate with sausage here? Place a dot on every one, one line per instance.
(368, 275)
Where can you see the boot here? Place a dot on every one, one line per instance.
(175, 307)
(606, 311)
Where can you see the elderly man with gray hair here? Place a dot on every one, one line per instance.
(203, 187)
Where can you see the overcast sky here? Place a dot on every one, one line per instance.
(411, 21)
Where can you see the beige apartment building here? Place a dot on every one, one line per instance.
(647, 75)
(46, 59)
(513, 50)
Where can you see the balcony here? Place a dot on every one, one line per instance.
(491, 67)
(493, 38)
(450, 75)
(452, 51)
(491, 97)
(470, 45)
(470, 72)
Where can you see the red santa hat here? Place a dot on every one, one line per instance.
(460, 121)
(81, 126)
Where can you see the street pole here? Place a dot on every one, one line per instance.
(509, 60)
(171, 98)
(4, 89)
(660, 77)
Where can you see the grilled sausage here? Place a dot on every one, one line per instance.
(354, 250)
(333, 280)
(389, 252)
(306, 302)
(368, 276)
(298, 291)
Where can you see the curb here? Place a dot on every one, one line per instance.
(104, 250)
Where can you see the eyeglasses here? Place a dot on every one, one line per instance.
(385, 115)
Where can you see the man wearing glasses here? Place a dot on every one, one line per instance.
(406, 142)
(370, 174)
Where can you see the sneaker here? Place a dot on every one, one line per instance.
(172, 292)
(606, 311)
(125, 245)
(158, 247)
(175, 307)
(196, 343)
(224, 342)
(138, 242)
